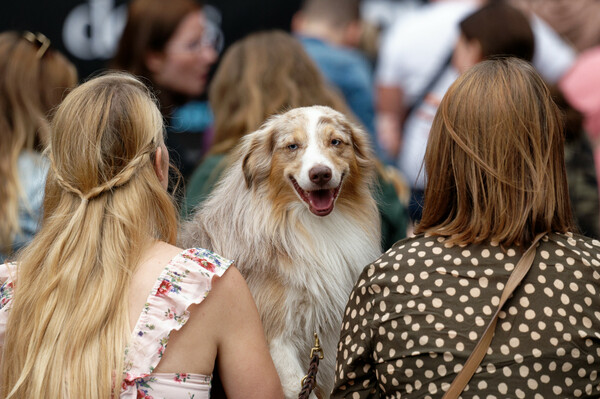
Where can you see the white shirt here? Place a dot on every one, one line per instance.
(416, 131)
(415, 48)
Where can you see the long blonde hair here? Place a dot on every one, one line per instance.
(261, 75)
(32, 83)
(495, 159)
(68, 325)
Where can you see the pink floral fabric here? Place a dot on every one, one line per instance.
(186, 280)
(6, 292)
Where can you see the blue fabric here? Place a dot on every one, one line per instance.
(194, 116)
(189, 134)
(350, 72)
(33, 168)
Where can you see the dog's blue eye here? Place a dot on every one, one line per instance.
(336, 142)
(292, 147)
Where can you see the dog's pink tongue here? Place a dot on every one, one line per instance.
(321, 199)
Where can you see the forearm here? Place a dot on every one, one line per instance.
(389, 119)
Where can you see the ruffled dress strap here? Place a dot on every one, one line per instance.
(186, 280)
(7, 271)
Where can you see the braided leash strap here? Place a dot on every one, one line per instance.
(309, 381)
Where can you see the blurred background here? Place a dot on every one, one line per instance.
(87, 31)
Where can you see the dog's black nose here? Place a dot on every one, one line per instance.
(320, 174)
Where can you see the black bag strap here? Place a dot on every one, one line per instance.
(432, 82)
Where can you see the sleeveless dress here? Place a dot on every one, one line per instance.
(185, 280)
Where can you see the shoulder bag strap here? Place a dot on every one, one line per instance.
(430, 85)
(464, 376)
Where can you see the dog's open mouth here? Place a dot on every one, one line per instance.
(320, 202)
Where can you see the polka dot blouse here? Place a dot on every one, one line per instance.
(416, 314)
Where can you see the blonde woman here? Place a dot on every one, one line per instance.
(90, 305)
(33, 79)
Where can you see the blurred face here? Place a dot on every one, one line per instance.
(184, 64)
(467, 53)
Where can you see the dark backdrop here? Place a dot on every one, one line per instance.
(86, 31)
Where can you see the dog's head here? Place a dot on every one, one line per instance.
(310, 153)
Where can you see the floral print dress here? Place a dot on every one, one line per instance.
(186, 280)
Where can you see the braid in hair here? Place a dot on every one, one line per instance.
(118, 180)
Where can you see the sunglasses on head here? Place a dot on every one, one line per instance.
(38, 39)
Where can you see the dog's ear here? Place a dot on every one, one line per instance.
(257, 152)
(360, 143)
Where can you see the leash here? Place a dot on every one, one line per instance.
(310, 379)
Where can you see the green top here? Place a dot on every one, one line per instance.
(202, 182)
(393, 214)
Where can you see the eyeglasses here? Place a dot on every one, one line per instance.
(208, 40)
(38, 39)
(212, 37)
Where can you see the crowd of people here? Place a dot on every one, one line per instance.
(484, 120)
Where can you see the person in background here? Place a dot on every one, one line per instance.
(581, 88)
(493, 30)
(497, 180)
(88, 308)
(413, 52)
(576, 21)
(262, 75)
(330, 31)
(581, 173)
(169, 45)
(416, 51)
(33, 80)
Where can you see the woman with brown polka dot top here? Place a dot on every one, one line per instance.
(496, 179)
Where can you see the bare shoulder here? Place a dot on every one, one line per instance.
(153, 262)
(227, 309)
(231, 294)
(232, 280)
(157, 256)
(166, 249)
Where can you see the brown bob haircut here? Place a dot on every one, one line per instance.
(500, 29)
(495, 160)
(150, 24)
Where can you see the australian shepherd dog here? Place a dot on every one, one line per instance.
(296, 212)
